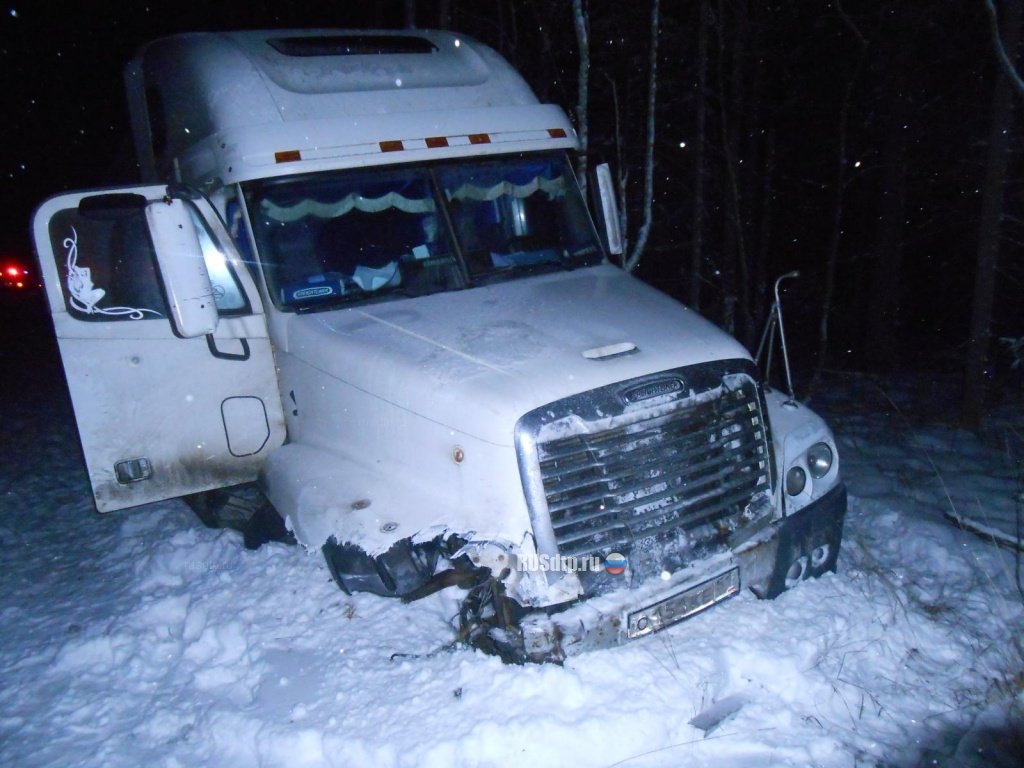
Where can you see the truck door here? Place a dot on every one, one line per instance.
(159, 414)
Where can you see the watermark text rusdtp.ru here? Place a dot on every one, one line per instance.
(614, 563)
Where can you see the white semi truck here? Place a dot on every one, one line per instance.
(360, 294)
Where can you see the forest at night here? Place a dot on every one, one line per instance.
(341, 429)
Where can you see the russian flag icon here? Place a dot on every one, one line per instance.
(615, 564)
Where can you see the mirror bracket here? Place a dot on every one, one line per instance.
(220, 355)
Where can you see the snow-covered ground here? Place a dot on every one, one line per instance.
(145, 639)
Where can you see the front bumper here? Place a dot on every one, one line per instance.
(803, 545)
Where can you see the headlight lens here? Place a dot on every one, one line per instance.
(819, 460)
(796, 481)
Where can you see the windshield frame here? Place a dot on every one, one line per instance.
(591, 254)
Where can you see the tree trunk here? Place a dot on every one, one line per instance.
(544, 86)
(1008, 64)
(622, 175)
(582, 25)
(697, 241)
(758, 161)
(633, 259)
(736, 268)
(764, 237)
(444, 14)
(883, 317)
(988, 228)
(835, 239)
(502, 47)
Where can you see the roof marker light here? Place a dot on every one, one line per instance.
(288, 156)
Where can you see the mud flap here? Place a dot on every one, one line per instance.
(809, 542)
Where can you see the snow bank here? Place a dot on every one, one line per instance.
(143, 638)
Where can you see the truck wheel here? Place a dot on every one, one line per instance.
(243, 508)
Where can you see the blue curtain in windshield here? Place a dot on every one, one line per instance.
(517, 179)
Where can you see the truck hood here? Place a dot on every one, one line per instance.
(477, 360)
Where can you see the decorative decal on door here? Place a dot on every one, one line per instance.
(84, 296)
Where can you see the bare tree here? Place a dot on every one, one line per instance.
(764, 239)
(1004, 58)
(978, 342)
(839, 191)
(622, 179)
(882, 321)
(582, 25)
(759, 165)
(444, 14)
(633, 259)
(697, 242)
(736, 270)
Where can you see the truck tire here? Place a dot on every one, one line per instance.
(242, 508)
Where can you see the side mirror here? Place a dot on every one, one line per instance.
(608, 210)
(180, 256)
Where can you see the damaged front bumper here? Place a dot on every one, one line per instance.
(800, 546)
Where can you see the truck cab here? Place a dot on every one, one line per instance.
(360, 277)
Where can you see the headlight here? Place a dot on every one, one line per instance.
(796, 481)
(819, 460)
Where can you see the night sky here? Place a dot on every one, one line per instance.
(66, 123)
(66, 128)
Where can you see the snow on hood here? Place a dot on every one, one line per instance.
(477, 360)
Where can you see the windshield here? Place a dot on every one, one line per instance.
(343, 237)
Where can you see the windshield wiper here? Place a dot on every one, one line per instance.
(320, 306)
(356, 295)
(564, 261)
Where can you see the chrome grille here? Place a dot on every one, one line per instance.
(691, 465)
